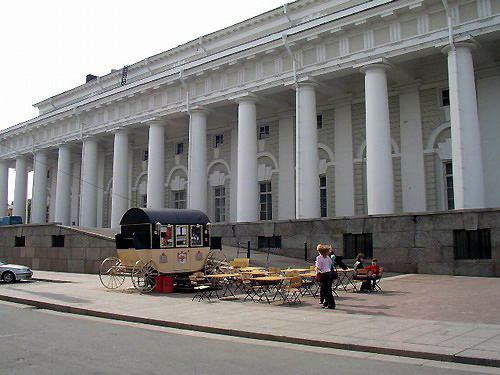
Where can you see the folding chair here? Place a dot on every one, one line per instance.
(377, 280)
(202, 289)
(290, 290)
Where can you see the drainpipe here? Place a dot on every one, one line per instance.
(285, 12)
(298, 138)
(146, 63)
(184, 86)
(99, 83)
(200, 43)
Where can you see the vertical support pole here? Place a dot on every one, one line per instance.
(305, 251)
(248, 249)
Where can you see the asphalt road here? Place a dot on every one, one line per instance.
(41, 342)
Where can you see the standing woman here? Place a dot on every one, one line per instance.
(323, 267)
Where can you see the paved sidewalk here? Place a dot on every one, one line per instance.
(443, 318)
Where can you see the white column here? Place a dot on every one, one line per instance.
(344, 161)
(286, 177)
(88, 203)
(488, 94)
(19, 208)
(100, 188)
(52, 189)
(39, 199)
(233, 198)
(412, 152)
(156, 165)
(197, 160)
(307, 165)
(75, 192)
(63, 191)
(4, 187)
(380, 184)
(468, 180)
(119, 198)
(248, 194)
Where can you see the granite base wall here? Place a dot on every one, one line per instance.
(408, 243)
(83, 252)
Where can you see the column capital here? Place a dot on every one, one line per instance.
(154, 122)
(468, 44)
(381, 63)
(248, 97)
(307, 81)
(119, 130)
(90, 138)
(198, 110)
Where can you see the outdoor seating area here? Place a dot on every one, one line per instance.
(240, 281)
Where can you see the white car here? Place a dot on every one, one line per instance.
(12, 272)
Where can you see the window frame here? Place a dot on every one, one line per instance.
(319, 121)
(323, 199)
(448, 189)
(177, 201)
(179, 145)
(218, 140)
(268, 204)
(264, 132)
(472, 244)
(441, 98)
(180, 235)
(219, 209)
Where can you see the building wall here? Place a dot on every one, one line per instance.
(408, 243)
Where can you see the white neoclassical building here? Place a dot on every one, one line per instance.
(319, 108)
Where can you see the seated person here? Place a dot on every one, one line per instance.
(339, 261)
(374, 273)
(358, 265)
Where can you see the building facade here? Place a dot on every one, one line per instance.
(321, 108)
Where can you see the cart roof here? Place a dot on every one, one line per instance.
(164, 216)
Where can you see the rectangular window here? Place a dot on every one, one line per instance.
(323, 196)
(166, 237)
(180, 199)
(319, 121)
(179, 148)
(450, 195)
(472, 244)
(266, 201)
(273, 242)
(144, 201)
(218, 140)
(444, 98)
(196, 235)
(19, 241)
(181, 235)
(358, 243)
(58, 240)
(264, 132)
(145, 155)
(220, 204)
(48, 173)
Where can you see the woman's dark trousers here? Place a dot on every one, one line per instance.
(326, 288)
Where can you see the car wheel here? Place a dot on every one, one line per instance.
(8, 277)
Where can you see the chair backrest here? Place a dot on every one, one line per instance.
(292, 273)
(274, 270)
(361, 272)
(295, 282)
(240, 262)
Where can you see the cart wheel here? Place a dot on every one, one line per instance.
(110, 273)
(144, 276)
(215, 260)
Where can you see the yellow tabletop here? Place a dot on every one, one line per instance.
(300, 270)
(308, 274)
(222, 275)
(269, 278)
(248, 269)
(347, 270)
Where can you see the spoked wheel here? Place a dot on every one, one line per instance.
(110, 273)
(215, 260)
(144, 276)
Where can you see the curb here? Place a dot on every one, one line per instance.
(255, 335)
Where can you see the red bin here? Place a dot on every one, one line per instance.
(168, 284)
(159, 284)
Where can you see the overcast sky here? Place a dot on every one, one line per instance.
(49, 46)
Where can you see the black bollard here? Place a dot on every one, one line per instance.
(305, 251)
(248, 249)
